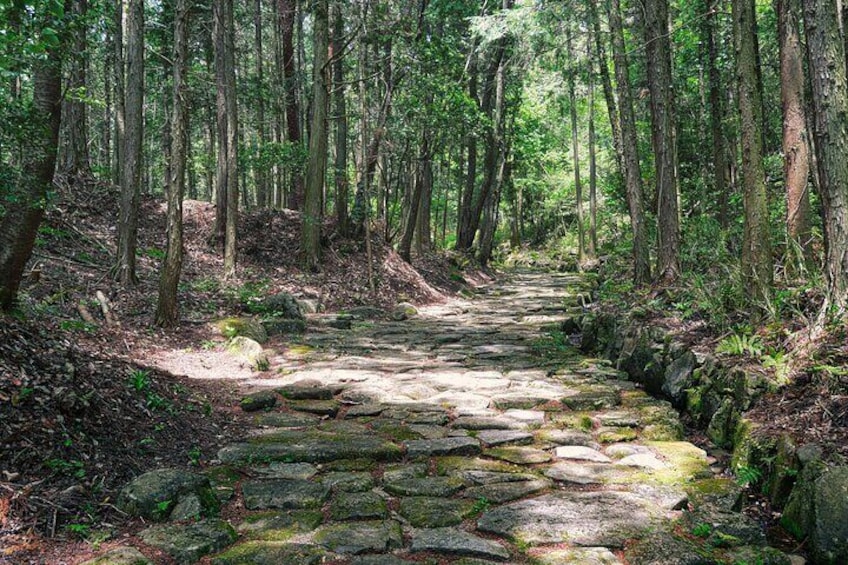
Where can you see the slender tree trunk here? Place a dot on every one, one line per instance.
(575, 157)
(593, 174)
(19, 225)
(261, 170)
(222, 170)
(288, 13)
(658, 55)
(716, 116)
(423, 236)
(405, 247)
(167, 309)
(757, 269)
(609, 96)
(77, 159)
(317, 166)
(120, 93)
(341, 178)
(796, 150)
(629, 149)
(124, 270)
(230, 249)
(464, 239)
(826, 53)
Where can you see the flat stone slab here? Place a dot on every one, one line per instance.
(441, 447)
(577, 556)
(425, 486)
(358, 506)
(120, 556)
(642, 460)
(306, 390)
(499, 493)
(504, 437)
(520, 455)
(580, 453)
(429, 512)
(520, 401)
(480, 477)
(319, 407)
(277, 470)
(274, 525)
(484, 423)
(258, 401)
(271, 553)
(618, 419)
(364, 410)
(457, 542)
(361, 537)
(310, 447)
(586, 473)
(348, 481)
(621, 450)
(605, 518)
(526, 416)
(593, 399)
(187, 543)
(284, 494)
(286, 419)
(568, 437)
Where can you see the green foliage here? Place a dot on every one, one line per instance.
(71, 468)
(139, 380)
(741, 344)
(77, 325)
(194, 455)
(480, 505)
(702, 530)
(746, 476)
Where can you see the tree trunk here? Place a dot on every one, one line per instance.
(757, 268)
(716, 116)
(77, 159)
(19, 225)
(341, 178)
(167, 309)
(120, 93)
(609, 97)
(826, 52)
(463, 238)
(593, 173)
(405, 247)
(658, 55)
(796, 150)
(629, 149)
(232, 201)
(575, 156)
(261, 170)
(423, 236)
(287, 11)
(317, 165)
(124, 270)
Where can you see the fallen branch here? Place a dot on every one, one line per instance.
(106, 309)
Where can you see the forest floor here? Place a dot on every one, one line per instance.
(86, 405)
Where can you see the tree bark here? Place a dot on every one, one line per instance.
(405, 247)
(609, 96)
(317, 164)
(232, 202)
(663, 137)
(167, 309)
(287, 11)
(261, 170)
(630, 152)
(120, 94)
(341, 179)
(124, 270)
(593, 173)
(77, 158)
(575, 156)
(757, 270)
(796, 149)
(463, 238)
(716, 116)
(19, 225)
(826, 55)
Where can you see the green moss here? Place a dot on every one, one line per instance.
(445, 465)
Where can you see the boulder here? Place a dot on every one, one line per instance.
(404, 311)
(246, 327)
(247, 349)
(187, 543)
(279, 326)
(280, 305)
(818, 509)
(678, 377)
(155, 495)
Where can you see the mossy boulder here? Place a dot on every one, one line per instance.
(187, 543)
(157, 494)
(404, 311)
(280, 305)
(120, 556)
(248, 349)
(245, 327)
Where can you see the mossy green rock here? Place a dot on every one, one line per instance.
(294, 446)
(361, 537)
(279, 526)
(155, 494)
(187, 543)
(284, 494)
(428, 512)
(245, 327)
(358, 506)
(270, 553)
(120, 556)
(818, 509)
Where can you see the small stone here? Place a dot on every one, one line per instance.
(642, 460)
(451, 541)
(280, 525)
(348, 482)
(187, 543)
(270, 552)
(580, 453)
(568, 437)
(189, 507)
(593, 400)
(358, 506)
(499, 493)
(364, 410)
(320, 407)
(408, 471)
(286, 419)
(284, 494)
(261, 400)
(621, 450)
(526, 417)
(404, 311)
(484, 423)
(279, 470)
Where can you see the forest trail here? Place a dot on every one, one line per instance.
(465, 434)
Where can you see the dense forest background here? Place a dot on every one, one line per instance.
(704, 141)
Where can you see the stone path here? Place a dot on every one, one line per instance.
(463, 435)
